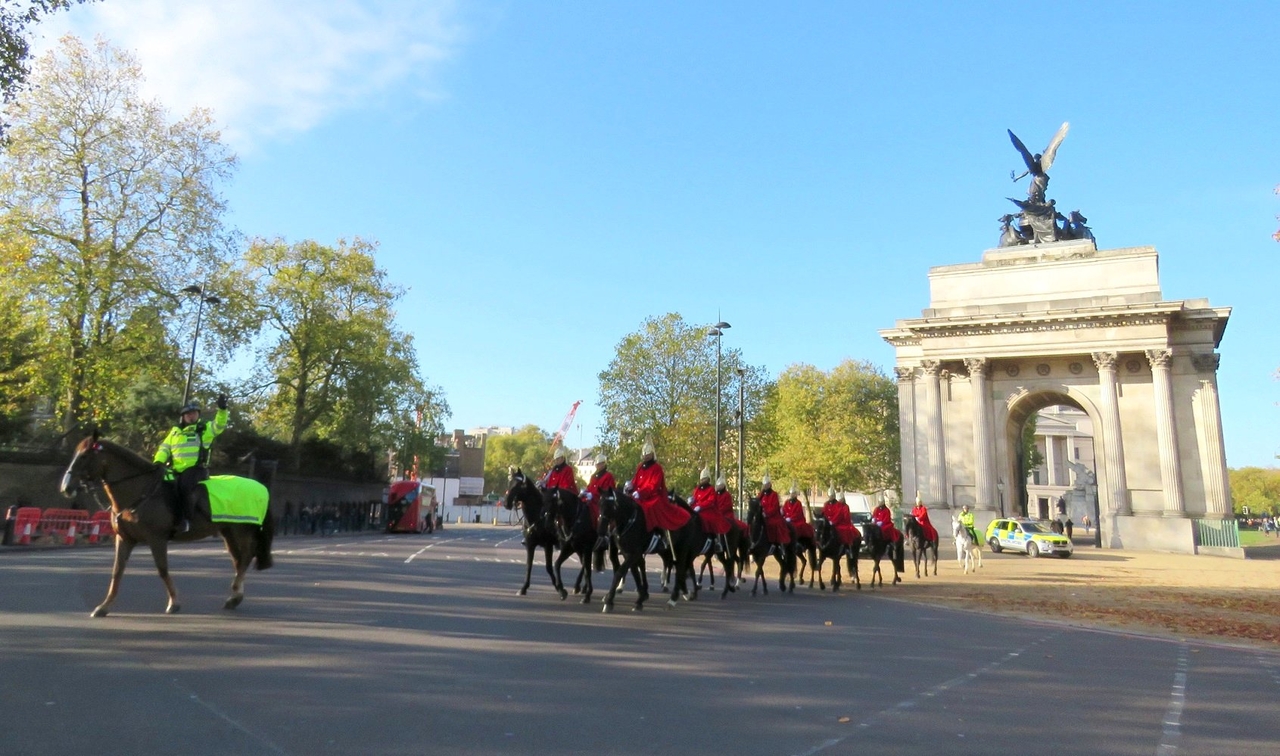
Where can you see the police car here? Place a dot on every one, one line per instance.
(1027, 536)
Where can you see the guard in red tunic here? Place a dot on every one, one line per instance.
(561, 475)
(601, 481)
(921, 513)
(724, 503)
(884, 518)
(836, 513)
(793, 513)
(775, 527)
(649, 486)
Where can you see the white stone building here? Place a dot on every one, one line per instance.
(1063, 323)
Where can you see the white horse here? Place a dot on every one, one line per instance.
(967, 549)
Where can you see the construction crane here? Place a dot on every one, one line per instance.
(564, 426)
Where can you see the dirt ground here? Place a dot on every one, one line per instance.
(1203, 597)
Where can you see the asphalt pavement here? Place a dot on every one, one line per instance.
(419, 645)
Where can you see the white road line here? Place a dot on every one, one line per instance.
(504, 540)
(430, 545)
(1269, 664)
(223, 716)
(1172, 730)
(910, 703)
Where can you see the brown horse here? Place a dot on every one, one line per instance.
(140, 502)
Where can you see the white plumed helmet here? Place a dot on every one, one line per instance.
(601, 460)
(793, 490)
(705, 474)
(647, 449)
(831, 492)
(558, 453)
(720, 482)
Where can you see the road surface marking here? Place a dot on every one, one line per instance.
(1172, 730)
(424, 548)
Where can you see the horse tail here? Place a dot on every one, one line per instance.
(262, 546)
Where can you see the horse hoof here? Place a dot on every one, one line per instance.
(100, 611)
(638, 608)
(606, 609)
(172, 609)
(564, 595)
(233, 602)
(897, 580)
(586, 599)
(522, 591)
(671, 604)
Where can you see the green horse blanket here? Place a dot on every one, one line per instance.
(236, 499)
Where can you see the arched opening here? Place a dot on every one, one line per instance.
(1052, 465)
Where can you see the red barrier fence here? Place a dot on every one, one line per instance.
(61, 526)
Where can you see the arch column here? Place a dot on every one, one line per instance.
(1167, 433)
(984, 457)
(1213, 455)
(934, 495)
(1112, 443)
(907, 431)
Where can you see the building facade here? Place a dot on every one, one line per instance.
(1066, 324)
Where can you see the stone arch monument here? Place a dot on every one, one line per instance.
(1041, 323)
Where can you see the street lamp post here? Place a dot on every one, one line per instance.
(201, 300)
(717, 330)
(1000, 492)
(742, 435)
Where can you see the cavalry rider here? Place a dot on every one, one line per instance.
(793, 513)
(649, 489)
(706, 504)
(776, 530)
(921, 513)
(601, 481)
(561, 475)
(884, 518)
(724, 502)
(966, 521)
(836, 512)
(185, 451)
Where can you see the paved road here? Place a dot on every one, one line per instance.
(419, 645)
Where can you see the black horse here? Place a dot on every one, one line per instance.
(760, 548)
(829, 546)
(574, 535)
(630, 533)
(539, 526)
(922, 546)
(806, 553)
(879, 545)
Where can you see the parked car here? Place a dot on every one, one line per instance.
(1027, 536)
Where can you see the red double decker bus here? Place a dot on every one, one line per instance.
(411, 507)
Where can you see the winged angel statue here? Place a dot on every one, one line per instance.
(1038, 165)
(1038, 221)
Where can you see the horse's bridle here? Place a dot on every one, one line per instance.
(114, 506)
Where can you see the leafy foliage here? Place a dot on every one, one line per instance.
(661, 385)
(528, 448)
(1257, 488)
(332, 364)
(839, 427)
(16, 17)
(107, 209)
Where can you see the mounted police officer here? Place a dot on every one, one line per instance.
(966, 521)
(185, 452)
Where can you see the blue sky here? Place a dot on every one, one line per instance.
(543, 177)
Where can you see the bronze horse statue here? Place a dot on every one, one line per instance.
(140, 500)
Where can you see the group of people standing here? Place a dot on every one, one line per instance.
(712, 504)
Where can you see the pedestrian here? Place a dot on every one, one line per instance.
(1087, 524)
(1069, 526)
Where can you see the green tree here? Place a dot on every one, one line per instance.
(1257, 488)
(528, 448)
(111, 208)
(16, 18)
(332, 365)
(661, 385)
(839, 427)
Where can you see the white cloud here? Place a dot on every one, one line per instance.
(270, 68)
